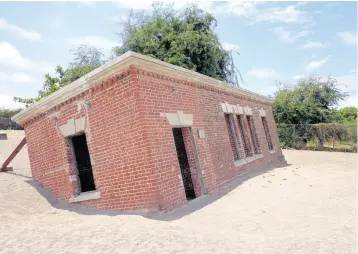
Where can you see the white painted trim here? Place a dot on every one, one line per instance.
(240, 162)
(89, 195)
(246, 160)
(262, 113)
(120, 63)
(272, 151)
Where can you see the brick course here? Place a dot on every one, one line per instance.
(131, 143)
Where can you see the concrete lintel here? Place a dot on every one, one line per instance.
(240, 110)
(223, 107)
(262, 113)
(247, 111)
(69, 128)
(236, 110)
(229, 108)
(80, 124)
(73, 126)
(179, 119)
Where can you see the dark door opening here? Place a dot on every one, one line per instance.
(84, 167)
(183, 163)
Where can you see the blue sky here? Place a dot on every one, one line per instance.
(277, 40)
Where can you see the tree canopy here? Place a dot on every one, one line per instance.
(8, 112)
(347, 115)
(310, 101)
(183, 38)
(86, 59)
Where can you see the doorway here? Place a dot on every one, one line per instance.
(183, 163)
(84, 167)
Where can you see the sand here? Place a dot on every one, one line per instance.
(306, 207)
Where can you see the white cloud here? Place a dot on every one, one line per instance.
(317, 64)
(253, 11)
(265, 73)
(230, 46)
(351, 100)
(348, 38)
(11, 57)
(84, 3)
(289, 14)
(238, 8)
(96, 41)
(7, 101)
(117, 18)
(297, 77)
(147, 4)
(287, 36)
(314, 44)
(16, 77)
(248, 9)
(22, 33)
(348, 83)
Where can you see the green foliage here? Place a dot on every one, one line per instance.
(8, 112)
(310, 101)
(326, 131)
(182, 38)
(347, 115)
(86, 59)
(185, 39)
(317, 136)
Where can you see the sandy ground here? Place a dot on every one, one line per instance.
(307, 207)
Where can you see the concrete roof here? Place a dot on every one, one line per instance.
(113, 67)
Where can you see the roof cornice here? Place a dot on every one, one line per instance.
(116, 65)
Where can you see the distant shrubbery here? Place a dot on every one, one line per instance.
(322, 136)
(306, 117)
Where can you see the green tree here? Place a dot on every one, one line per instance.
(310, 101)
(183, 38)
(299, 108)
(86, 59)
(347, 115)
(8, 112)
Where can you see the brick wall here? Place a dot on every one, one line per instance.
(131, 143)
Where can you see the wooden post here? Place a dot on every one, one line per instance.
(4, 167)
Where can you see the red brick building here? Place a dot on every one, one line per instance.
(141, 134)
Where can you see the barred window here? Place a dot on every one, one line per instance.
(255, 143)
(232, 136)
(267, 132)
(244, 136)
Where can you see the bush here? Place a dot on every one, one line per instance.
(323, 136)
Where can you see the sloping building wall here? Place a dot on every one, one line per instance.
(127, 114)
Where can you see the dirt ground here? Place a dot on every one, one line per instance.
(307, 207)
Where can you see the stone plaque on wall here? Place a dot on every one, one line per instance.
(202, 133)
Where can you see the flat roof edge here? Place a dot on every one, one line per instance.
(83, 83)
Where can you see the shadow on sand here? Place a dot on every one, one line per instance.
(191, 206)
